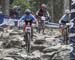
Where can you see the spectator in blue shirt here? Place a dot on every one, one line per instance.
(1, 17)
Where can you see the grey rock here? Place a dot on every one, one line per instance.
(39, 41)
(14, 33)
(11, 43)
(1, 34)
(7, 58)
(52, 48)
(48, 55)
(38, 47)
(5, 35)
(1, 29)
(43, 47)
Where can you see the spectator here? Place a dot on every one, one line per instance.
(1, 17)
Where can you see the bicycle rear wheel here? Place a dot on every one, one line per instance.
(28, 38)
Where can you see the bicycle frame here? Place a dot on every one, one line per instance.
(28, 30)
(41, 23)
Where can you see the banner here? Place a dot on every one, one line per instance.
(72, 21)
(10, 22)
(72, 30)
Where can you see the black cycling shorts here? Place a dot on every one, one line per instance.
(26, 22)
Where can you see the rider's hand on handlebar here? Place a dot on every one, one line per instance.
(68, 24)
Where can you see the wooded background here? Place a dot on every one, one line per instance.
(55, 7)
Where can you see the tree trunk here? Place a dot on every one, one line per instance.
(66, 4)
(52, 10)
(6, 11)
(5, 6)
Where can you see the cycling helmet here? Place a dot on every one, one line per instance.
(43, 6)
(67, 11)
(27, 11)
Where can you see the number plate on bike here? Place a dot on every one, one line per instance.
(28, 29)
(43, 18)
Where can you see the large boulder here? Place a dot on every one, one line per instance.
(38, 47)
(5, 35)
(48, 55)
(8, 58)
(12, 43)
(14, 33)
(39, 41)
(50, 41)
(52, 48)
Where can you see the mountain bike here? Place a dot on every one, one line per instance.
(65, 33)
(41, 24)
(28, 37)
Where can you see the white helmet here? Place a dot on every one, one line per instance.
(67, 11)
(27, 11)
(43, 6)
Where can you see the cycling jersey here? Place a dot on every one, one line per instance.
(64, 19)
(42, 13)
(28, 18)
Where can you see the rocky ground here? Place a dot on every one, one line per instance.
(43, 47)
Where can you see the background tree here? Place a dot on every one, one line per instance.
(22, 3)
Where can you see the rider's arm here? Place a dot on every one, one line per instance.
(48, 14)
(22, 18)
(37, 12)
(35, 20)
(62, 18)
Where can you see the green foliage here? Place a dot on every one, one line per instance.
(22, 3)
(35, 4)
(11, 1)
